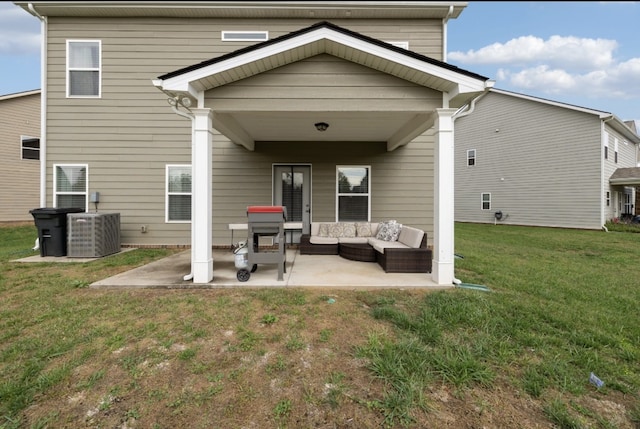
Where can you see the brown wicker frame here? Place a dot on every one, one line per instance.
(393, 260)
(408, 260)
(306, 248)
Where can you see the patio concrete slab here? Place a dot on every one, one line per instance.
(326, 271)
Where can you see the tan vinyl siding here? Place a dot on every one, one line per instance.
(20, 178)
(130, 134)
(540, 163)
(627, 153)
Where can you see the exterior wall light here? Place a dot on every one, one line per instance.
(174, 101)
(322, 126)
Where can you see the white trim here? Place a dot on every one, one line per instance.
(166, 192)
(22, 148)
(55, 184)
(368, 194)
(325, 39)
(261, 36)
(68, 69)
(482, 200)
(475, 157)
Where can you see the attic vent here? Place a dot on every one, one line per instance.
(245, 36)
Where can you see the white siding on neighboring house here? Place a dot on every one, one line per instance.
(540, 163)
(19, 177)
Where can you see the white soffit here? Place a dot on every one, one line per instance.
(323, 40)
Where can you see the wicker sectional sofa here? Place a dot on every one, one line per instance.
(403, 251)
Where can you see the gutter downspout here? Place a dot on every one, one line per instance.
(444, 33)
(603, 220)
(43, 105)
(192, 118)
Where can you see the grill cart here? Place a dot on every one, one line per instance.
(265, 221)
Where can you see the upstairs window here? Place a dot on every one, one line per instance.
(471, 157)
(30, 147)
(178, 206)
(353, 193)
(615, 148)
(83, 68)
(605, 144)
(245, 36)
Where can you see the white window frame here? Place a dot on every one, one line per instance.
(69, 69)
(482, 200)
(260, 36)
(167, 193)
(55, 184)
(22, 148)
(470, 157)
(615, 150)
(605, 144)
(358, 194)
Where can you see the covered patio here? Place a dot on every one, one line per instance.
(325, 271)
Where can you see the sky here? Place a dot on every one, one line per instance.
(581, 53)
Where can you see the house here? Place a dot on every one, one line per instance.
(19, 155)
(529, 161)
(182, 114)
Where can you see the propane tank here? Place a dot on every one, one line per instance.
(242, 255)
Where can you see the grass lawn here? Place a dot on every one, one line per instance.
(562, 305)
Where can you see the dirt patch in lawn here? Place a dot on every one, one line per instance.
(255, 359)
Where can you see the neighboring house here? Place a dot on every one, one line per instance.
(529, 161)
(19, 155)
(260, 103)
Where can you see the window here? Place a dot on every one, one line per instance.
(471, 157)
(83, 68)
(486, 201)
(71, 186)
(615, 148)
(30, 147)
(608, 198)
(605, 144)
(178, 193)
(245, 36)
(403, 45)
(353, 193)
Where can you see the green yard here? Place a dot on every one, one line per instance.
(562, 304)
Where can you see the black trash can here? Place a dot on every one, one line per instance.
(52, 229)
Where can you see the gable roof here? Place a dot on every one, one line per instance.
(327, 38)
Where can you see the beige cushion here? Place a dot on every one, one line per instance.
(316, 239)
(335, 230)
(410, 236)
(315, 228)
(362, 240)
(380, 245)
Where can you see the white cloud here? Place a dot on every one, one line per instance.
(19, 31)
(570, 52)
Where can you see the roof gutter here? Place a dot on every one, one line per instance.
(43, 105)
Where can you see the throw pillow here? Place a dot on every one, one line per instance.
(323, 231)
(389, 230)
(363, 229)
(349, 229)
(335, 230)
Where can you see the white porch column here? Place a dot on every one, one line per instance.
(201, 176)
(443, 226)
